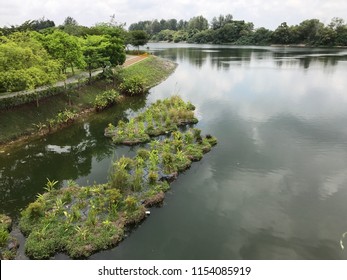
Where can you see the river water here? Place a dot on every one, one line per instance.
(275, 186)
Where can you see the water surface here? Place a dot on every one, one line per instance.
(275, 186)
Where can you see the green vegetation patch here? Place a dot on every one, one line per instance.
(160, 118)
(78, 220)
(106, 99)
(82, 220)
(30, 119)
(8, 244)
(152, 71)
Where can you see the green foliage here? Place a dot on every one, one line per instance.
(153, 177)
(151, 70)
(82, 220)
(94, 51)
(65, 48)
(224, 29)
(50, 185)
(133, 86)
(138, 38)
(119, 177)
(160, 118)
(131, 203)
(106, 99)
(4, 237)
(24, 64)
(35, 209)
(64, 117)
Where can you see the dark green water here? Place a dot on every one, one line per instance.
(275, 186)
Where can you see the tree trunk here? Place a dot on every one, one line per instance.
(73, 71)
(37, 100)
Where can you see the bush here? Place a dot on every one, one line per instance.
(105, 99)
(63, 117)
(133, 86)
(35, 209)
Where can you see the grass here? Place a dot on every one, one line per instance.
(29, 119)
(153, 70)
(83, 220)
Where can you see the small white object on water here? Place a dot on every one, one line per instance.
(148, 213)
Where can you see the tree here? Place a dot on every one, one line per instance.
(138, 38)
(94, 51)
(221, 21)
(308, 31)
(182, 25)
(115, 51)
(340, 28)
(200, 23)
(261, 36)
(25, 64)
(70, 21)
(41, 23)
(282, 34)
(172, 24)
(65, 48)
(71, 27)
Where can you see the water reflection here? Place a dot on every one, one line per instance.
(68, 155)
(224, 57)
(274, 187)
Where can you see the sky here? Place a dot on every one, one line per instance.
(263, 13)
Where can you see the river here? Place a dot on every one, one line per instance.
(275, 186)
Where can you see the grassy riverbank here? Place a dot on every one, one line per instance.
(28, 119)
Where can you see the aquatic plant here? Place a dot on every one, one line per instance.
(62, 118)
(83, 220)
(50, 185)
(8, 244)
(160, 118)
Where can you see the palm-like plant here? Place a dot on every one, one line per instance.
(50, 185)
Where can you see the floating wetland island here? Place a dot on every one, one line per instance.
(81, 220)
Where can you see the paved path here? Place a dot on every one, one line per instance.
(130, 60)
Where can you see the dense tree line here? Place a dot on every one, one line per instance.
(224, 29)
(38, 53)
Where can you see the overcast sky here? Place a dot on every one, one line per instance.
(266, 13)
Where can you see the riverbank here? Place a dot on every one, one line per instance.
(28, 121)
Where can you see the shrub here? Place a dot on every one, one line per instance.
(106, 99)
(133, 86)
(131, 203)
(35, 209)
(63, 117)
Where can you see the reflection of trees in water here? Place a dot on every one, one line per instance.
(305, 58)
(307, 61)
(218, 57)
(224, 58)
(64, 155)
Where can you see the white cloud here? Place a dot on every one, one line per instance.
(87, 12)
